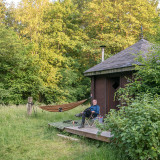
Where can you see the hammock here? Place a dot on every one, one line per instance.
(62, 107)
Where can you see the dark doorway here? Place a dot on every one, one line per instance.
(112, 86)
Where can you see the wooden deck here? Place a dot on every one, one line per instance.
(89, 132)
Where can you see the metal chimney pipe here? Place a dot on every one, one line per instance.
(103, 46)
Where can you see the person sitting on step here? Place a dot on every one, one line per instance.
(93, 110)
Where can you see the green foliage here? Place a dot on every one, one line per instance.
(53, 29)
(65, 37)
(117, 23)
(150, 72)
(19, 71)
(70, 86)
(146, 79)
(136, 128)
(2, 11)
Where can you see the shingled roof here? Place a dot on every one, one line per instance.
(122, 61)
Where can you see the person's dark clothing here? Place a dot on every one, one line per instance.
(95, 108)
(87, 112)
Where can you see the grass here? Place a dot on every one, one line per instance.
(29, 138)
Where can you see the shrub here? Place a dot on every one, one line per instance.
(136, 128)
(146, 79)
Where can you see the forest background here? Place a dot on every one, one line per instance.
(46, 46)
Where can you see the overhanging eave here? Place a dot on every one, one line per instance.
(109, 71)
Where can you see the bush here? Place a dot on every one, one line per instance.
(146, 79)
(136, 128)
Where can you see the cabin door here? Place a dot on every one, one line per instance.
(112, 86)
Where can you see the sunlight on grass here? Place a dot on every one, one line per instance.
(29, 138)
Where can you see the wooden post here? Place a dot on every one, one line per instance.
(29, 106)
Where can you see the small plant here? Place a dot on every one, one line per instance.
(136, 128)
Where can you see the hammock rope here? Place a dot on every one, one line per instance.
(62, 107)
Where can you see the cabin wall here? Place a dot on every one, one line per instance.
(103, 89)
(92, 87)
(98, 92)
(113, 84)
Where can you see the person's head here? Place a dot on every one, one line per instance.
(94, 102)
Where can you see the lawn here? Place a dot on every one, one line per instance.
(29, 138)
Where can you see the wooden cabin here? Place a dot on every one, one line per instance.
(113, 73)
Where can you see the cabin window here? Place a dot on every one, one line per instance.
(116, 82)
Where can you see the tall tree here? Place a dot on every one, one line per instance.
(2, 11)
(117, 23)
(19, 71)
(65, 37)
(56, 36)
